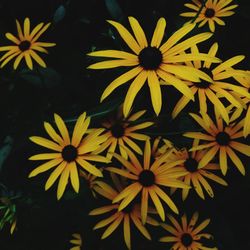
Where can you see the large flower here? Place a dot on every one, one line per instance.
(186, 236)
(151, 61)
(120, 131)
(219, 140)
(26, 45)
(147, 179)
(218, 86)
(197, 177)
(129, 214)
(69, 153)
(211, 12)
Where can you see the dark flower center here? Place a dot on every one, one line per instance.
(69, 153)
(24, 45)
(186, 239)
(223, 138)
(209, 12)
(117, 130)
(147, 178)
(204, 84)
(150, 58)
(129, 208)
(191, 165)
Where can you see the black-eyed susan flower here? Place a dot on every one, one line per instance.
(120, 131)
(186, 235)
(197, 177)
(26, 45)
(70, 153)
(221, 140)
(151, 61)
(77, 241)
(148, 179)
(220, 85)
(211, 12)
(117, 217)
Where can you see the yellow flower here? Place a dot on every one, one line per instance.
(186, 236)
(69, 153)
(26, 45)
(218, 86)
(77, 241)
(210, 13)
(147, 179)
(120, 131)
(151, 61)
(129, 214)
(197, 176)
(220, 140)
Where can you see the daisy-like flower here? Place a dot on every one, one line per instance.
(147, 179)
(211, 12)
(220, 140)
(120, 131)
(127, 215)
(151, 61)
(26, 45)
(77, 241)
(197, 177)
(187, 235)
(69, 153)
(218, 86)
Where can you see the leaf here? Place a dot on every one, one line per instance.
(59, 14)
(114, 9)
(5, 150)
(42, 77)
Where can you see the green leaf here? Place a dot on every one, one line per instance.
(114, 9)
(59, 14)
(5, 150)
(42, 77)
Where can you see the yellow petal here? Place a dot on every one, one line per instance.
(158, 33)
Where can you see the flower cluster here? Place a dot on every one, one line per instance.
(136, 175)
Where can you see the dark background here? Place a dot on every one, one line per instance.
(68, 88)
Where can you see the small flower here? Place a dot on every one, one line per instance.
(77, 241)
(127, 215)
(152, 61)
(147, 179)
(210, 13)
(186, 236)
(220, 140)
(121, 131)
(69, 153)
(197, 177)
(26, 45)
(209, 90)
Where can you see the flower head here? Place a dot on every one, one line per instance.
(220, 140)
(152, 61)
(209, 90)
(148, 178)
(121, 131)
(186, 235)
(127, 215)
(211, 12)
(197, 177)
(26, 45)
(70, 153)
